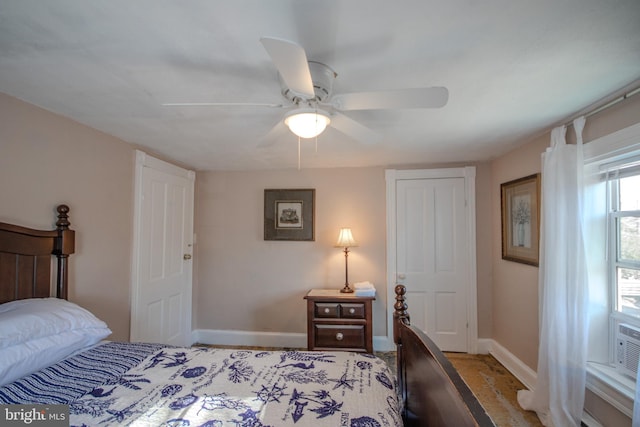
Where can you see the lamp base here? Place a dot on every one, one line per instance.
(346, 289)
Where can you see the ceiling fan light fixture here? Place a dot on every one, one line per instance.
(307, 122)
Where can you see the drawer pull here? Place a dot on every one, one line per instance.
(339, 336)
(352, 310)
(326, 310)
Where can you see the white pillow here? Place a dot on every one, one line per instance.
(28, 319)
(39, 332)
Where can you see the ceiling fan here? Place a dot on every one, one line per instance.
(307, 85)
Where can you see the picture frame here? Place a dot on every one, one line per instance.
(289, 214)
(520, 209)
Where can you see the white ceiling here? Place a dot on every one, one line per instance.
(513, 70)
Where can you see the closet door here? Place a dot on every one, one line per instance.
(162, 278)
(433, 257)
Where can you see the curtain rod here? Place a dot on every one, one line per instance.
(626, 94)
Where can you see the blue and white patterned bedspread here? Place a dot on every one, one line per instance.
(202, 386)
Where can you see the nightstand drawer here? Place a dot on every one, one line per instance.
(340, 336)
(352, 311)
(327, 310)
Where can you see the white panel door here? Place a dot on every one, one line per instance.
(161, 306)
(432, 257)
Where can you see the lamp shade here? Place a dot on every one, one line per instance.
(307, 122)
(345, 239)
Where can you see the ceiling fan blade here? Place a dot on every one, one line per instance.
(221, 104)
(355, 130)
(291, 61)
(273, 136)
(429, 97)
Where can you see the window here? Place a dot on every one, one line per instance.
(624, 242)
(612, 243)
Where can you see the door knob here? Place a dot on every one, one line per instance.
(187, 256)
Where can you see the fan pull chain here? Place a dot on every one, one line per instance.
(316, 129)
(298, 153)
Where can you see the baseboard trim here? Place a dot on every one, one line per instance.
(383, 343)
(589, 421)
(484, 345)
(249, 338)
(522, 372)
(268, 339)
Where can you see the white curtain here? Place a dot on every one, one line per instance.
(558, 397)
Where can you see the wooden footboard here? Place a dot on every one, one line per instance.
(434, 394)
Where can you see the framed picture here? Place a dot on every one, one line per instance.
(520, 200)
(289, 214)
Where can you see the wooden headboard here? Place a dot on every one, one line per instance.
(25, 259)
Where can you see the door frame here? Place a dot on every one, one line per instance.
(469, 175)
(144, 160)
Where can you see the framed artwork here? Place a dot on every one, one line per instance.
(520, 201)
(289, 214)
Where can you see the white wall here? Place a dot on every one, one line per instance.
(46, 160)
(247, 283)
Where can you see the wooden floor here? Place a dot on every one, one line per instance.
(495, 387)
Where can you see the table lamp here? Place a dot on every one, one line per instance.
(346, 241)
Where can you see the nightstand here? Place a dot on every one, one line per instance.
(339, 321)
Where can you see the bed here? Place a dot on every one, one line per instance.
(53, 352)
